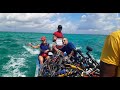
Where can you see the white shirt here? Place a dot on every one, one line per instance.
(59, 42)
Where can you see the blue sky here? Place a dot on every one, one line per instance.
(73, 23)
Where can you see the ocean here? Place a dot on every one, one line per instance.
(19, 60)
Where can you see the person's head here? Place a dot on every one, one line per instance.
(59, 28)
(65, 41)
(43, 39)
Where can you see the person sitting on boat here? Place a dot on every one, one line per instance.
(57, 38)
(68, 47)
(44, 49)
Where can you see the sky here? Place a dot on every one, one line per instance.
(73, 23)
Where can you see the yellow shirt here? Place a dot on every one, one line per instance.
(111, 50)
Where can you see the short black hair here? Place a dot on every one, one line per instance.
(59, 26)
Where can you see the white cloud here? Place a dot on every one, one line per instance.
(36, 21)
(95, 23)
(99, 22)
(29, 20)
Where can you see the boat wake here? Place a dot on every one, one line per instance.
(31, 51)
(13, 67)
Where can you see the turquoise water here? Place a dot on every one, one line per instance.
(19, 60)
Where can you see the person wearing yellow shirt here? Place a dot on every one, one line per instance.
(110, 56)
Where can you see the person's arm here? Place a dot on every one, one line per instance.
(54, 38)
(55, 48)
(62, 49)
(107, 70)
(37, 46)
(109, 58)
(72, 52)
(62, 35)
(50, 48)
(46, 51)
(73, 48)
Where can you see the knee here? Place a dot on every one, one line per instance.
(53, 46)
(40, 57)
(47, 57)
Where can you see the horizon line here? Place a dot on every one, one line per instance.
(52, 33)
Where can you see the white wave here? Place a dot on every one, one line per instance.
(12, 68)
(25, 54)
(8, 75)
(7, 41)
(98, 60)
(78, 47)
(31, 51)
